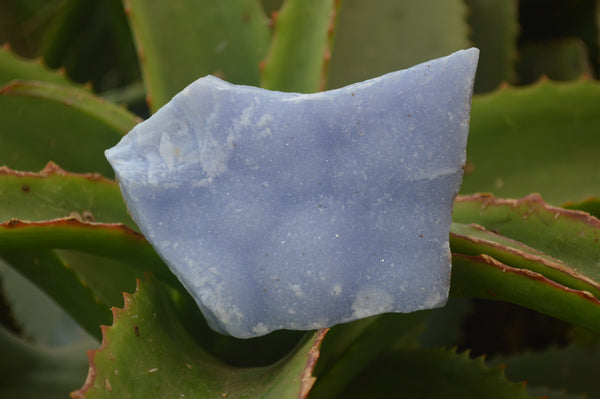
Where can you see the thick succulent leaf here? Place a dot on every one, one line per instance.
(589, 205)
(543, 21)
(114, 117)
(475, 240)
(298, 60)
(351, 348)
(433, 374)
(91, 39)
(564, 59)
(484, 277)
(541, 138)
(61, 283)
(63, 28)
(36, 130)
(571, 236)
(444, 326)
(147, 344)
(14, 67)
(494, 28)
(38, 318)
(572, 368)
(54, 193)
(227, 39)
(374, 38)
(113, 241)
(32, 372)
(64, 212)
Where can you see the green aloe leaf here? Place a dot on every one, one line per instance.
(484, 277)
(112, 241)
(55, 193)
(374, 38)
(540, 138)
(147, 344)
(115, 117)
(563, 59)
(351, 348)
(572, 237)
(34, 314)
(78, 215)
(571, 368)
(589, 205)
(226, 39)
(29, 371)
(433, 374)
(51, 125)
(494, 29)
(64, 27)
(63, 284)
(92, 41)
(475, 240)
(298, 59)
(14, 67)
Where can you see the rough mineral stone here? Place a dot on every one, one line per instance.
(300, 211)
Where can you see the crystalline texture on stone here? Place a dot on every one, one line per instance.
(300, 211)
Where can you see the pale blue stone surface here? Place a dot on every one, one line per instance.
(301, 211)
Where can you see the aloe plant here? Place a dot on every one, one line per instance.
(77, 276)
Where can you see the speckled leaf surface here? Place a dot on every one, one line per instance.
(55, 193)
(541, 138)
(227, 39)
(147, 345)
(300, 52)
(374, 38)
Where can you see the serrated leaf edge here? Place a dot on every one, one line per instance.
(490, 261)
(39, 61)
(543, 80)
(91, 377)
(534, 200)
(529, 254)
(307, 378)
(52, 169)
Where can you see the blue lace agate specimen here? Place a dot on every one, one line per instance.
(301, 211)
